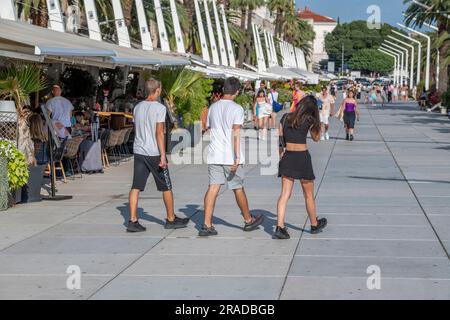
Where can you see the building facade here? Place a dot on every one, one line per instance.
(322, 26)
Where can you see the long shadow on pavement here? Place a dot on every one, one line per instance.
(125, 213)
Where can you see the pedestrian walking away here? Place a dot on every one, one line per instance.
(150, 157)
(296, 164)
(325, 113)
(225, 157)
(349, 112)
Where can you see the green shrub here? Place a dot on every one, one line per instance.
(245, 100)
(190, 106)
(17, 165)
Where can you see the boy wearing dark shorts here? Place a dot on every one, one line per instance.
(150, 157)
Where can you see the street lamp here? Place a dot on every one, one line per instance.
(419, 53)
(411, 77)
(395, 63)
(402, 54)
(399, 56)
(427, 68)
(405, 50)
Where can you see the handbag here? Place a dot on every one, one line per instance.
(277, 107)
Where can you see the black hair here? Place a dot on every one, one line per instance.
(305, 111)
(261, 91)
(231, 86)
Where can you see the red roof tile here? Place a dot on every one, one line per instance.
(307, 14)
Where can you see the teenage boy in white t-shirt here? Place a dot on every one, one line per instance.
(225, 157)
(150, 157)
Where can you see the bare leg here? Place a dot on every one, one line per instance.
(287, 185)
(273, 118)
(308, 193)
(210, 203)
(168, 202)
(242, 202)
(133, 199)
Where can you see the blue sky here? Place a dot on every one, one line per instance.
(348, 10)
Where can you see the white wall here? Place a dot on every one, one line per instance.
(321, 30)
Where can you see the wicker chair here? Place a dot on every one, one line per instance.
(111, 144)
(71, 153)
(127, 140)
(120, 142)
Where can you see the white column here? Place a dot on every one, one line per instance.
(268, 51)
(146, 39)
(231, 58)
(92, 20)
(55, 20)
(122, 30)
(212, 39)
(273, 49)
(411, 71)
(176, 28)
(7, 10)
(283, 54)
(163, 37)
(258, 48)
(201, 31)
(222, 50)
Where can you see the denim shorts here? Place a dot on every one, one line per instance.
(221, 174)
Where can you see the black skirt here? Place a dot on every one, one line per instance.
(296, 165)
(349, 119)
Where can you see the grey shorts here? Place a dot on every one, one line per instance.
(221, 174)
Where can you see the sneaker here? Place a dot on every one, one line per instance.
(327, 136)
(351, 137)
(207, 231)
(322, 137)
(321, 223)
(281, 233)
(135, 227)
(256, 221)
(178, 223)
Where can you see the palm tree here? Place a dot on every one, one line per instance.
(34, 11)
(17, 82)
(280, 7)
(417, 15)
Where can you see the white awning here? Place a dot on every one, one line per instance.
(310, 77)
(29, 39)
(285, 73)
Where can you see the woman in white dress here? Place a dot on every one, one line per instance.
(262, 109)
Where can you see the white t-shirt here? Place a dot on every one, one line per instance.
(326, 103)
(222, 116)
(61, 110)
(273, 96)
(146, 115)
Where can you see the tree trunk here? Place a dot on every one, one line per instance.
(443, 70)
(190, 34)
(278, 23)
(242, 44)
(127, 7)
(249, 35)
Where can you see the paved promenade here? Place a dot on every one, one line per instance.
(386, 196)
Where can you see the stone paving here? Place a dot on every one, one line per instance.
(386, 196)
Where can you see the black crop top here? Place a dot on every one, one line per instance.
(291, 135)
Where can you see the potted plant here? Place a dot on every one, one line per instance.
(17, 169)
(17, 82)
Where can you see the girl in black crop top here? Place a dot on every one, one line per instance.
(297, 165)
